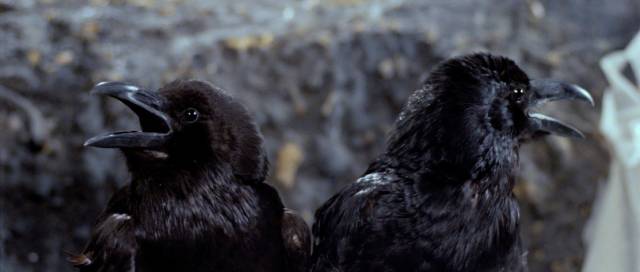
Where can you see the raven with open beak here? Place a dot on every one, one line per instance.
(197, 200)
(440, 197)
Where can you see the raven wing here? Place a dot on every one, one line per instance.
(112, 246)
(296, 237)
(294, 232)
(344, 222)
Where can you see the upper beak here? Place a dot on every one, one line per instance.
(550, 90)
(155, 124)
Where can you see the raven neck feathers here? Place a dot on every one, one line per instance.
(191, 202)
(435, 144)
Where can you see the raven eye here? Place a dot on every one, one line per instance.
(190, 115)
(518, 94)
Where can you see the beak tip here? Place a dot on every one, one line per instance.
(92, 142)
(584, 94)
(580, 135)
(98, 88)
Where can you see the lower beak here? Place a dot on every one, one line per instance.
(549, 90)
(155, 124)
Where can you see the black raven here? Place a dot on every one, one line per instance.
(440, 197)
(197, 200)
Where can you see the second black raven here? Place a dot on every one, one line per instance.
(440, 197)
(197, 200)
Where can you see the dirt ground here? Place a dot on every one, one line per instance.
(325, 80)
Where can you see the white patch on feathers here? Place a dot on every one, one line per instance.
(120, 216)
(370, 182)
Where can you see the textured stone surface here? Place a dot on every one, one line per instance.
(325, 80)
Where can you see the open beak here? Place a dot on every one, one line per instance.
(155, 124)
(548, 90)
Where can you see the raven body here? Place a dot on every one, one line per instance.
(196, 200)
(440, 197)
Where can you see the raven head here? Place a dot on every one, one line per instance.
(496, 93)
(476, 109)
(186, 123)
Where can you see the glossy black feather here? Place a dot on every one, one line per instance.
(297, 241)
(440, 197)
(203, 206)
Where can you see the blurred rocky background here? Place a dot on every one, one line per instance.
(325, 80)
